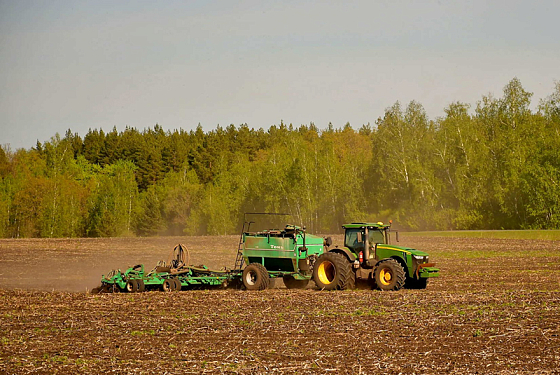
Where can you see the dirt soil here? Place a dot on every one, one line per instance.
(494, 310)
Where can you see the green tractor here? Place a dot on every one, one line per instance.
(368, 256)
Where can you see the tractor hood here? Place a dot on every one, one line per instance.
(402, 249)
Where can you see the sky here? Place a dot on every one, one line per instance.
(83, 65)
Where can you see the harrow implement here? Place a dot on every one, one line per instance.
(169, 276)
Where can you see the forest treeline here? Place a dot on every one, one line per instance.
(490, 167)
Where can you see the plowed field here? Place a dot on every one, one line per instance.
(495, 309)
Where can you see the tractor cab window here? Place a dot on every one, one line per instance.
(376, 236)
(354, 239)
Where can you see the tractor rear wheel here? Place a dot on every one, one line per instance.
(389, 275)
(292, 283)
(255, 277)
(132, 286)
(333, 271)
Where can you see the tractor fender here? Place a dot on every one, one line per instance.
(345, 252)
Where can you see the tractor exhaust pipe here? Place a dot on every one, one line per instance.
(366, 246)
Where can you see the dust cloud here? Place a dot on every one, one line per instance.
(76, 265)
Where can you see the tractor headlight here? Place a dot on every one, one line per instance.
(420, 258)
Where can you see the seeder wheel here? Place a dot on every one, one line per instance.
(170, 285)
(141, 286)
(132, 286)
(255, 277)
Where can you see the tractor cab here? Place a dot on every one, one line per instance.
(356, 235)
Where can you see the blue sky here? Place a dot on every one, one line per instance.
(100, 64)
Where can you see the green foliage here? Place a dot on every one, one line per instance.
(149, 219)
(525, 234)
(113, 201)
(497, 167)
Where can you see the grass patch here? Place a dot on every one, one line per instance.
(541, 234)
(491, 254)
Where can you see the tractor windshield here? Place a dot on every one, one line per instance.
(376, 236)
(354, 238)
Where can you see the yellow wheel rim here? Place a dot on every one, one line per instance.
(326, 272)
(385, 276)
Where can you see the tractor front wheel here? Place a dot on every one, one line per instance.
(255, 277)
(292, 283)
(333, 271)
(389, 275)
